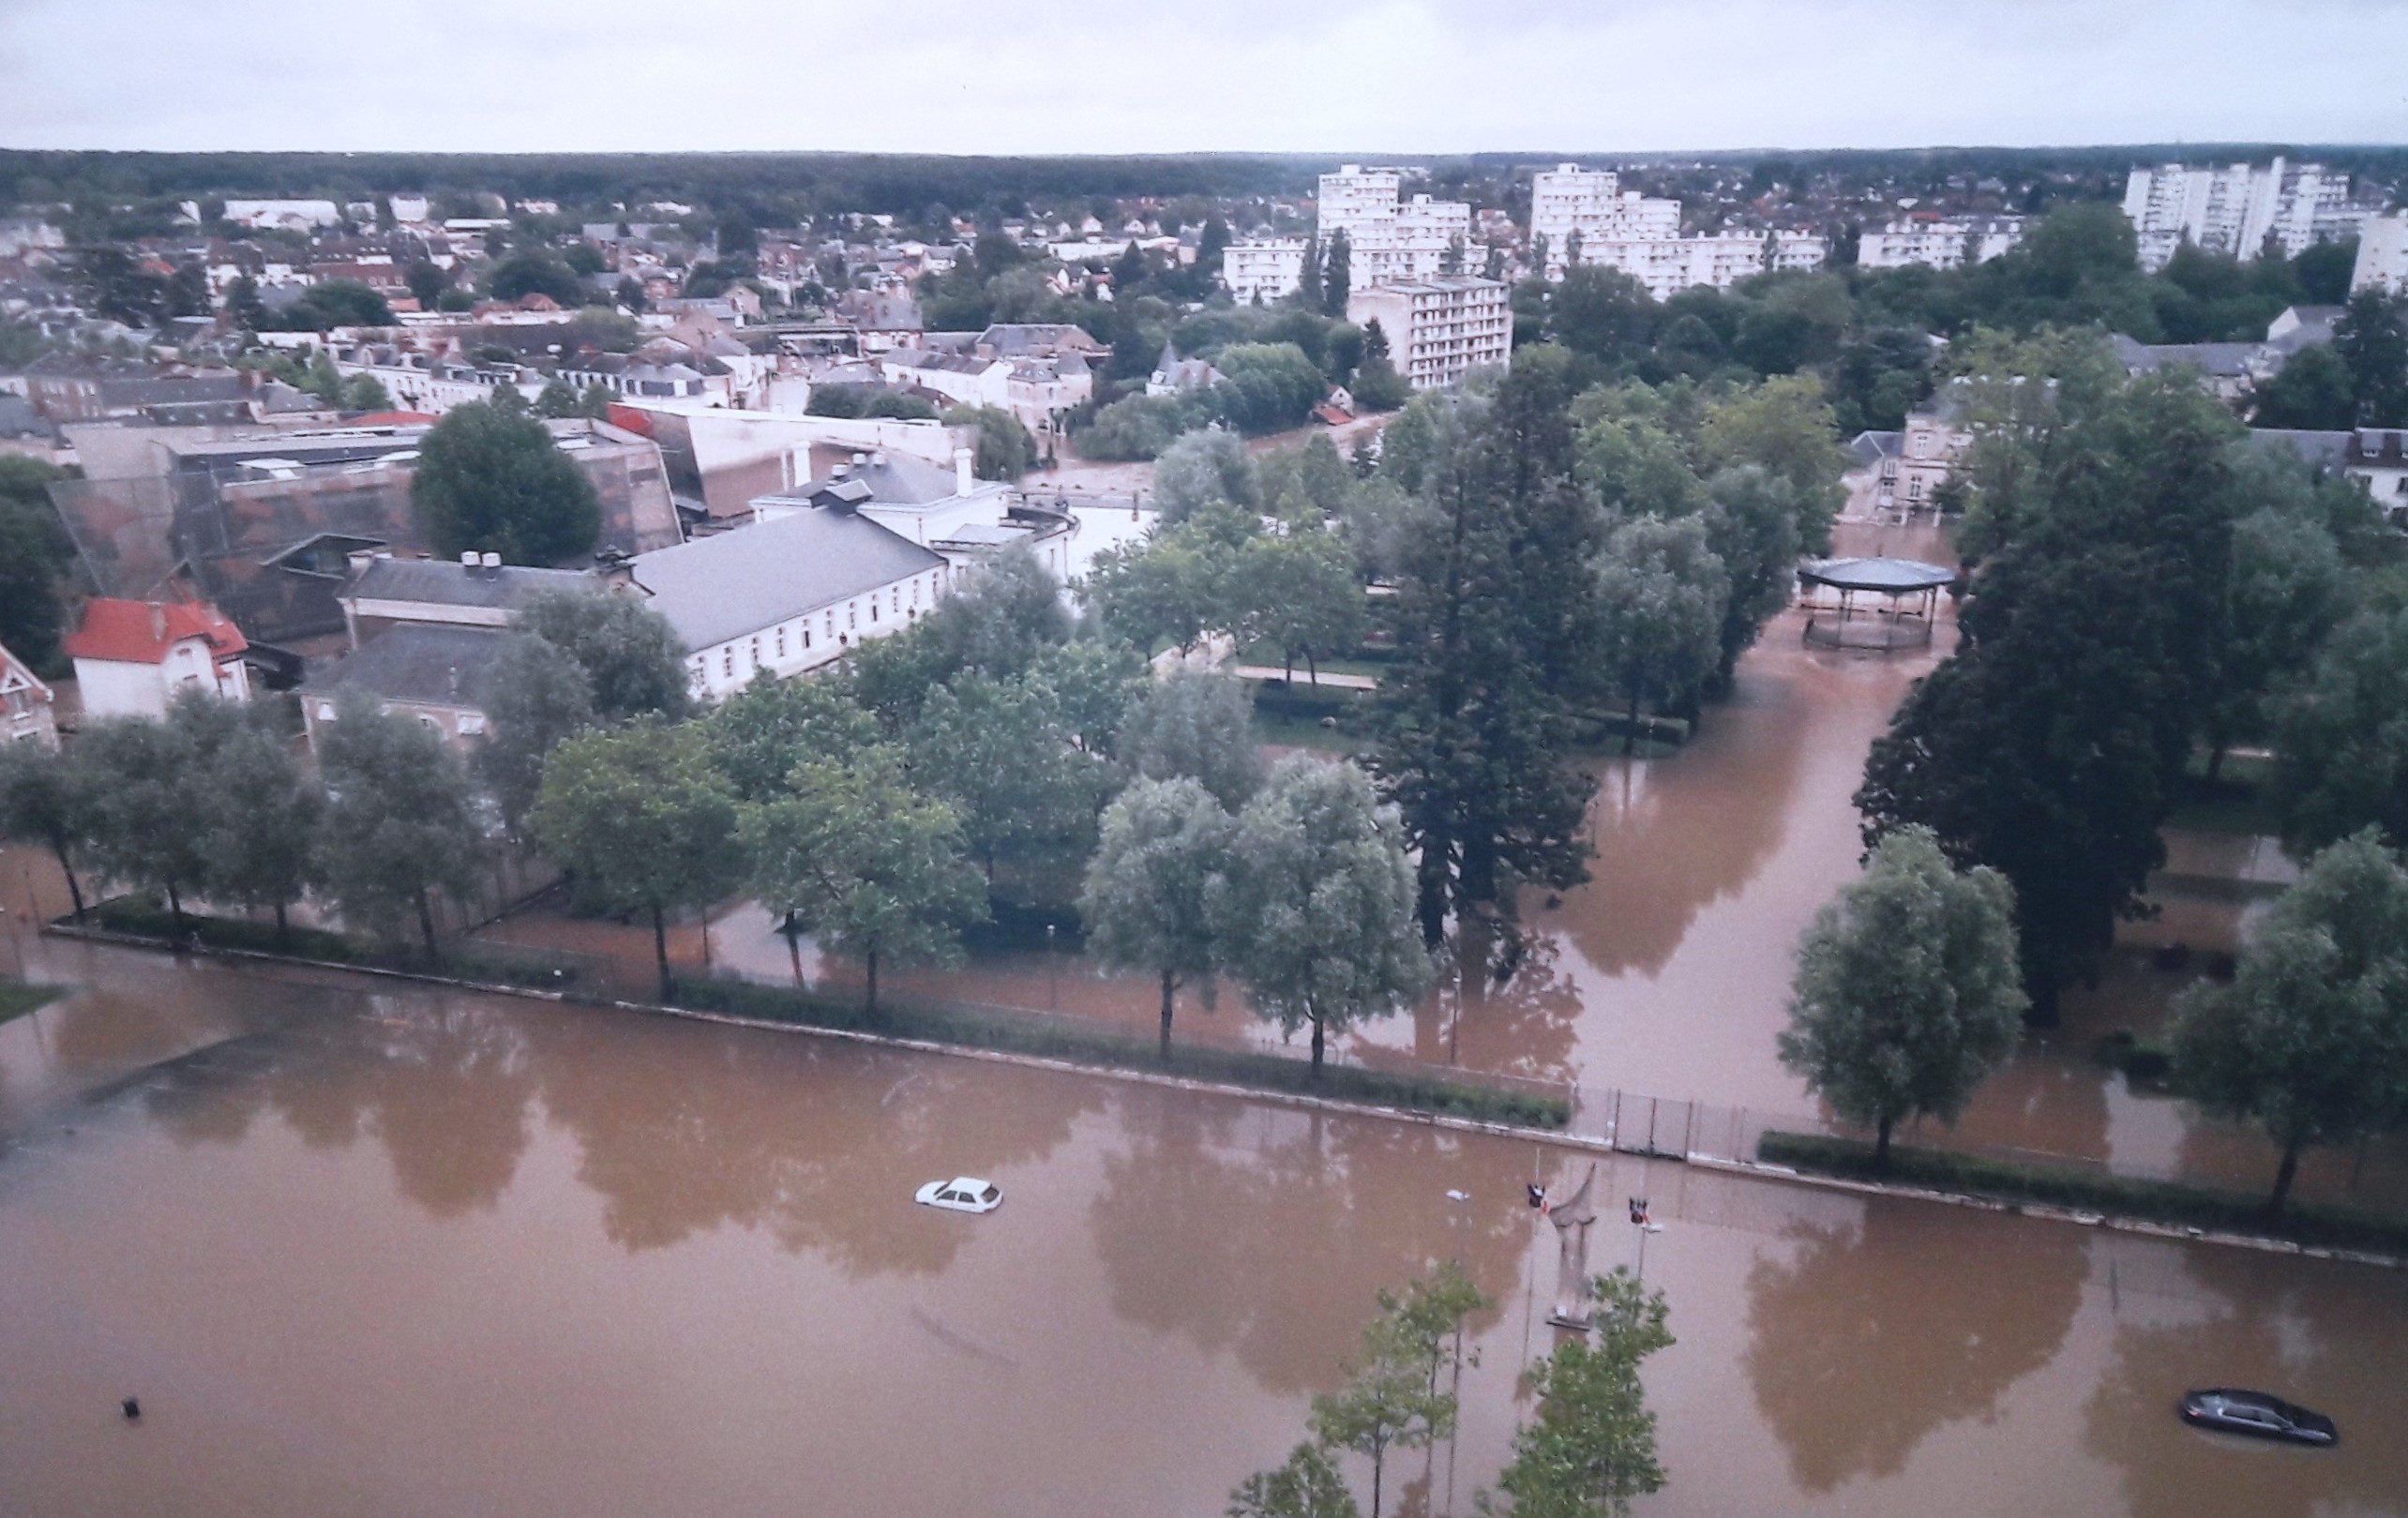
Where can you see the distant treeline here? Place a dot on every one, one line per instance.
(793, 186)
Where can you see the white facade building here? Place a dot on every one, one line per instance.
(2382, 255)
(1437, 329)
(1939, 242)
(2234, 210)
(1570, 200)
(1387, 240)
(1263, 270)
(133, 657)
(292, 215)
(1668, 265)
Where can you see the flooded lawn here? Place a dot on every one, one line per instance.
(405, 1252)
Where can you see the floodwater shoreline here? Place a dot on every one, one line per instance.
(1556, 1138)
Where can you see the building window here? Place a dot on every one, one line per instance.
(873, 609)
(728, 661)
(806, 638)
(753, 654)
(852, 613)
(781, 643)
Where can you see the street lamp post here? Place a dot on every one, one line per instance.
(1053, 985)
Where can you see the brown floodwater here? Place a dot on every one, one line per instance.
(377, 1250)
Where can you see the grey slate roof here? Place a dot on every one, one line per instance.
(2324, 450)
(1871, 448)
(427, 666)
(717, 588)
(444, 583)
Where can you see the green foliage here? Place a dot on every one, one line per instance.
(2311, 1039)
(536, 696)
(1267, 387)
(1394, 1398)
(1661, 598)
(1751, 526)
(1377, 385)
(489, 478)
(1319, 918)
(35, 556)
(1308, 1486)
(1172, 588)
(331, 302)
(1592, 1446)
(641, 820)
(148, 785)
(1195, 725)
(2341, 748)
(853, 854)
(1152, 900)
(264, 817)
(399, 824)
(1004, 451)
(48, 801)
(2313, 392)
(1298, 589)
(1025, 795)
(1205, 468)
(1092, 685)
(535, 273)
(870, 400)
(2371, 340)
(1135, 428)
(365, 392)
(1907, 994)
(1785, 427)
(756, 736)
(633, 662)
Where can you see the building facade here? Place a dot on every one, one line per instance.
(25, 715)
(1570, 203)
(1668, 265)
(133, 657)
(1388, 240)
(1263, 270)
(2382, 255)
(2237, 210)
(1938, 242)
(1437, 329)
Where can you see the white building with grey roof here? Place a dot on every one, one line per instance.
(789, 593)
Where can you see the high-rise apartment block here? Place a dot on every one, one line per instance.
(2382, 255)
(1590, 203)
(1388, 240)
(1586, 214)
(1437, 329)
(1938, 242)
(1263, 269)
(2237, 210)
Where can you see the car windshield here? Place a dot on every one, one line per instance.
(989, 1194)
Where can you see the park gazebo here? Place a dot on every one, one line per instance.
(1907, 592)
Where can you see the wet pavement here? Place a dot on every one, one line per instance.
(386, 1249)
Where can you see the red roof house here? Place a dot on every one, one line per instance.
(131, 657)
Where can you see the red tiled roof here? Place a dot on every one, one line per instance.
(141, 632)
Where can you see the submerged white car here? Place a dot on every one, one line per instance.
(962, 1194)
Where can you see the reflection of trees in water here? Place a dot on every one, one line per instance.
(1264, 1232)
(2330, 1336)
(1525, 1026)
(2051, 1098)
(682, 1130)
(1677, 834)
(1872, 1337)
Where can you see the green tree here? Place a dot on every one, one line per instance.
(1025, 796)
(244, 308)
(1091, 684)
(35, 557)
(265, 816)
(489, 478)
(1152, 900)
(1308, 1486)
(1204, 469)
(2314, 391)
(1495, 612)
(48, 801)
(1377, 385)
(1301, 593)
(1907, 994)
(1662, 594)
(2341, 746)
(2288, 587)
(365, 392)
(2311, 1039)
(643, 822)
(1265, 387)
(1319, 919)
(1337, 273)
(537, 273)
(853, 854)
(149, 784)
(1751, 527)
(536, 696)
(2371, 341)
(1592, 1446)
(336, 303)
(756, 736)
(1134, 428)
(560, 398)
(1602, 313)
(1394, 1399)
(634, 663)
(400, 823)
(1787, 427)
(1172, 588)
(1197, 726)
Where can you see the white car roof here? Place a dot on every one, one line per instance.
(968, 1183)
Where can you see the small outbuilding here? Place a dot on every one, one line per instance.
(1876, 603)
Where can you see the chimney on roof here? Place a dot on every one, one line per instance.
(157, 622)
(962, 476)
(492, 563)
(468, 559)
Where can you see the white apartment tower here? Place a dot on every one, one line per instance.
(2382, 255)
(1263, 269)
(2236, 210)
(1939, 242)
(1387, 240)
(1437, 329)
(1569, 199)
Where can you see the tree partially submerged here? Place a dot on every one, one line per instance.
(1592, 1446)
(1908, 995)
(1152, 900)
(401, 826)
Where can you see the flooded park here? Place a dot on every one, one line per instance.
(406, 1250)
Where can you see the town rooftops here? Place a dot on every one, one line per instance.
(442, 583)
(2325, 450)
(1039, 339)
(141, 632)
(899, 479)
(421, 664)
(2217, 360)
(1870, 448)
(715, 588)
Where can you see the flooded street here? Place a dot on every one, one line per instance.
(412, 1251)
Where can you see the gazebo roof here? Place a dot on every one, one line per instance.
(1889, 577)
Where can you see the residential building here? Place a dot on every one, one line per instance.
(408, 210)
(1173, 375)
(479, 592)
(965, 518)
(2376, 457)
(439, 675)
(2382, 255)
(1388, 240)
(1938, 242)
(789, 593)
(2231, 371)
(292, 215)
(1264, 269)
(1438, 329)
(1668, 265)
(1569, 202)
(1871, 478)
(2303, 326)
(2239, 210)
(133, 657)
(1936, 438)
(25, 701)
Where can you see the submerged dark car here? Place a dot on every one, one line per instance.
(2230, 1410)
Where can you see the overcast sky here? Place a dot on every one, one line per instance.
(1110, 76)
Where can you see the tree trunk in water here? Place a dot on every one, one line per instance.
(872, 1003)
(2283, 1178)
(1288, 667)
(1430, 906)
(1169, 987)
(74, 892)
(1631, 733)
(1377, 1461)
(1881, 1146)
(426, 929)
(283, 928)
(174, 915)
(1316, 1050)
(660, 950)
(1313, 665)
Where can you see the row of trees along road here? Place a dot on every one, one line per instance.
(1588, 1449)
(2148, 589)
